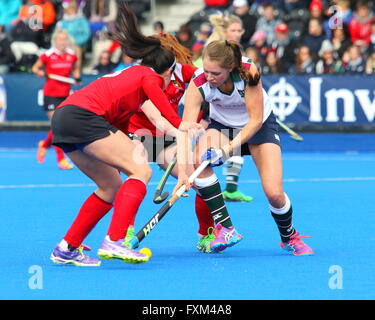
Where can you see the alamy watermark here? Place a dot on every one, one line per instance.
(336, 281)
(35, 17)
(336, 17)
(36, 279)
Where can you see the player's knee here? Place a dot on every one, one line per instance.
(144, 173)
(276, 199)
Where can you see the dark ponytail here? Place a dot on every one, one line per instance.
(137, 46)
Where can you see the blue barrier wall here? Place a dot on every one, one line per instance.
(302, 100)
(23, 96)
(344, 100)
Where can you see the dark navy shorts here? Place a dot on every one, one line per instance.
(73, 128)
(268, 133)
(153, 145)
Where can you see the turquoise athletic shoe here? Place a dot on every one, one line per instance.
(236, 196)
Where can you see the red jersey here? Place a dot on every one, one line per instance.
(119, 95)
(174, 92)
(61, 64)
(360, 30)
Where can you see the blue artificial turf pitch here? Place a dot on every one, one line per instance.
(330, 179)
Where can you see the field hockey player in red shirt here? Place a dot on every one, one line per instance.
(62, 61)
(159, 141)
(86, 126)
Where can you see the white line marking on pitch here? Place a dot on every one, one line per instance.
(85, 185)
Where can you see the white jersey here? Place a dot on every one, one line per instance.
(229, 108)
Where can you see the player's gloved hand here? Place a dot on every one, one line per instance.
(216, 156)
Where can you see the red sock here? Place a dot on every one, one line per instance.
(48, 140)
(92, 210)
(204, 215)
(131, 222)
(127, 201)
(59, 153)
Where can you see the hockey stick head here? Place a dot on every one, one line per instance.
(158, 198)
(296, 137)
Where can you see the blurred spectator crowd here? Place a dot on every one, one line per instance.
(280, 36)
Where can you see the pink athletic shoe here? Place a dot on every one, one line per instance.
(296, 246)
(224, 238)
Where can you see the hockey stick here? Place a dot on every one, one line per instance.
(61, 78)
(294, 135)
(150, 225)
(51, 75)
(158, 197)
